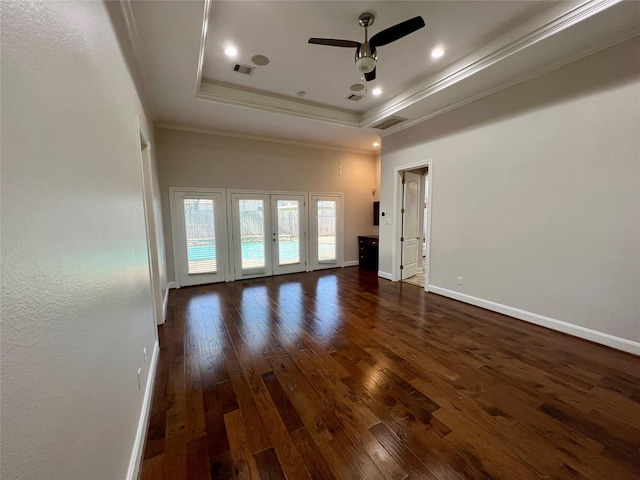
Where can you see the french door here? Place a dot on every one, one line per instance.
(200, 235)
(326, 231)
(269, 234)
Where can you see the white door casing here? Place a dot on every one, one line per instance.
(270, 239)
(396, 244)
(289, 238)
(326, 226)
(276, 232)
(252, 235)
(199, 236)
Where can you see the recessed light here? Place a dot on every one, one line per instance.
(231, 51)
(376, 144)
(437, 52)
(376, 91)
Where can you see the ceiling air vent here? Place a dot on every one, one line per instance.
(389, 122)
(246, 69)
(354, 97)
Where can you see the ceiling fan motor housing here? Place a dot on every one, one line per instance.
(366, 58)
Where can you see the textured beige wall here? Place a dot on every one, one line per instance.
(188, 159)
(536, 194)
(76, 300)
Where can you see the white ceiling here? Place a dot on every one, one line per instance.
(488, 45)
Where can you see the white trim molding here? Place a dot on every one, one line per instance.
(543, 26)
(227, 95)
(171, 285)
(143, 423)
(385, 275)
(397, 207)
(165, 303)
(551, 323)
(136, 50)
(258, 138)
(561, 22)
(351, 263)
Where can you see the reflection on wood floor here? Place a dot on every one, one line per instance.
(340, 374)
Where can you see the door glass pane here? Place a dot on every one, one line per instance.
(288, 232)
(201, 235)
(327, 218)
(252, 233)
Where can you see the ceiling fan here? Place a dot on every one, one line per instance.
(366, 55)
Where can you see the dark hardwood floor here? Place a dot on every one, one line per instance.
(339, 374)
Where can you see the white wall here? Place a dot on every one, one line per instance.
(76, 299)
(536, 195)
(187, 159)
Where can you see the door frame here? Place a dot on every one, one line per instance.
(396, 246)
(234, 228)
(175, 247)
(303, 242)
(340, 232)
(241, 191)
(150, 223)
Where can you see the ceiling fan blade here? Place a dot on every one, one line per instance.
(396, 32)
(369, 77)
(334, 43)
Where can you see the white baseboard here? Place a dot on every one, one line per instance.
(564, 327)
(171, 285)
(143, 423)
(385, 275)
(351, 263)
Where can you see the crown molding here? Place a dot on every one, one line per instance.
(258, 138)
(136, 50)
(203, 42)
(503, 49)
(522, 79)
(226, 95)
(559, 23)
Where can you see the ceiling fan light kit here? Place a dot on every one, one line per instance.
(366, 56)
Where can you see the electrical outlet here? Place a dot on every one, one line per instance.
(139, 382)
(144, 354)
(459, 280)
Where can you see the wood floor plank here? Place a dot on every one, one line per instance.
(314, 460)
(269, 466)
(303, 397)
(174, 463)
(258, 437)
(338, 374)
(197, 457)
(401, 453)
(244, 464)
(286, 410)
(152, 468)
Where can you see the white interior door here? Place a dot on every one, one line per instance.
(411, 230)
(201, 237)
(288, 233)
(252, 235)
(326, 231)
